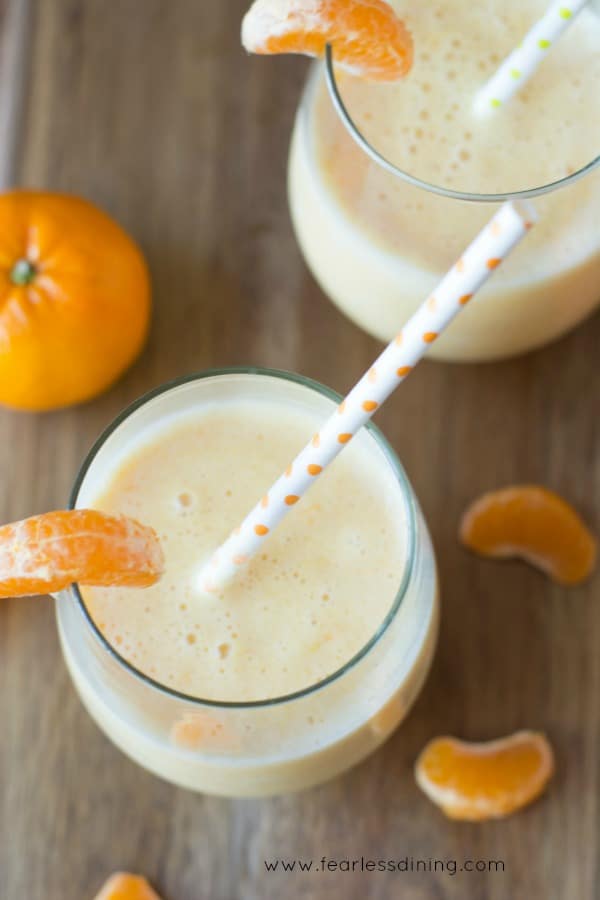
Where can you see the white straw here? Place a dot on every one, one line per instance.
(478, 262)
(521, 64)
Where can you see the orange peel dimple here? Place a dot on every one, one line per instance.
(533, 523)
(47, 553)
(367, 37)
(490, 780)
(124, 886)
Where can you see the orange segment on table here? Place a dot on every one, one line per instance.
(124, 886)
(49, 552)
(535, 524)
(366, 35)
(477, 781)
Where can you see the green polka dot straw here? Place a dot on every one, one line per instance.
(478, 262)
(523, 62)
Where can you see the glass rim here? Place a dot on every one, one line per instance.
(383, 162)
(411, 522)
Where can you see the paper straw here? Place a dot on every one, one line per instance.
(478, 262)
(521, 64)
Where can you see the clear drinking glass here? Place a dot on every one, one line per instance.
(283, 743)
(378, 238)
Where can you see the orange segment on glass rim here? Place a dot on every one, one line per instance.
(47, 553)
(124, 886)
(490, 780)
(535, 524)
(367, 37)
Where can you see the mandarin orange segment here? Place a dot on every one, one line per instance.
(199, 730)
(47, 553)
(123, 886)
(367, 37)
(535, 524)
(478, 781)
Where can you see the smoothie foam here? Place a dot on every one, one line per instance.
(321, 588)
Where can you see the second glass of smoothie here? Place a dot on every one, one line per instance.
(382, 220)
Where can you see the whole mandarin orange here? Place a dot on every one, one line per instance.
(74, 300)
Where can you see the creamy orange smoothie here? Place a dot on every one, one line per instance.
(327, 583)
(378, 245)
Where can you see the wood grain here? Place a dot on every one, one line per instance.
(151, 110)
(16, 18)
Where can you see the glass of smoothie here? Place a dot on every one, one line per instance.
(314, 654)
(388, 182)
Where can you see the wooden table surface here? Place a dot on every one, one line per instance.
(149, 108)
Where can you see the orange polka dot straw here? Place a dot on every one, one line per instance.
(507, 227)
